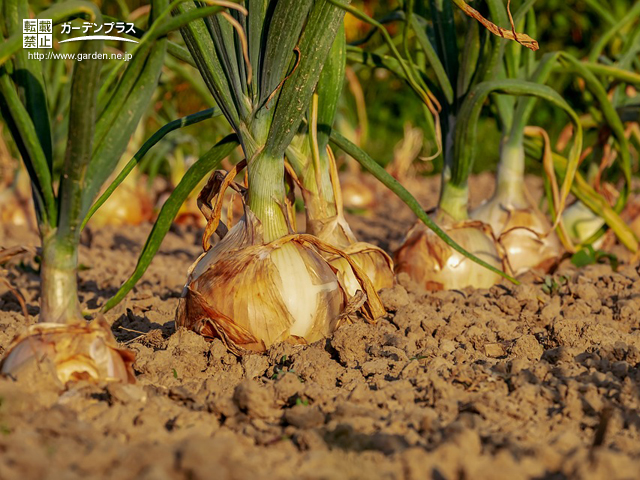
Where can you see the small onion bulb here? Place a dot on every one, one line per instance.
(357, 192)
(128, 205)
(581, 223)
(371, 259)
(524, 233)
(75, 351)
(434, 265)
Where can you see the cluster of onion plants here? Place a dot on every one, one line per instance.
(266, 65)
(104, 109)
(508, 229)
(275, 71)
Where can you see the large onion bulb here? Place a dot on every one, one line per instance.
(253, 294)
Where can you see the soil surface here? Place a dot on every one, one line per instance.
(511, 382)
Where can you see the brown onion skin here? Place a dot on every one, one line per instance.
(75, 351)
(434, 265)
(524, 233)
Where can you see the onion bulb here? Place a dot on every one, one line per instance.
(75, 351)
(523, 231)
(581, 223)
(335, 230)
(16, 203)
(374, 261)
(358, 192)
(252, 294)
(129, 204)
(13, 210)
(434, 265)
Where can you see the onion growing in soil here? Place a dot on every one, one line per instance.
(335, 230)
(524, 232)
(313, 168)
(434, 265)
(252, 294)
(99, 129)
(325, 220)
(72, 352)
(261, 283)
(483, 73)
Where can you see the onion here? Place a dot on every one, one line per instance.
(434, 265)
(373, 261)
(13, 210)
(335, 230)
(357, 191)
(16, 203)
(253, 294)
(75, 351)
(129, 204)
(581, 223)
(524, 232)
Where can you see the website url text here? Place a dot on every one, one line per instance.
(78, 57)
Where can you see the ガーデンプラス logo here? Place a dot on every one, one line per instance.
(38, 33)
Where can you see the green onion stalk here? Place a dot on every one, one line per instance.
(314, 167)
(606, 77)
(463, 84)
(99, 130)
(477, 75)
(255, 93)
(525, 233)
(262, 283)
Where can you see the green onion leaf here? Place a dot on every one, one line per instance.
(208, 162)
(392, 184)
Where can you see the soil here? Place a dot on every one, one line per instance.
(510, 382)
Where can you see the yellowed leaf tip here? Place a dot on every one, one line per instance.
(522, 38)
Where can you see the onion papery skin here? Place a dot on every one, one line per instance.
(434, 265)
(80, 351)
(374, 261)
(524, 233)
(252, 295)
